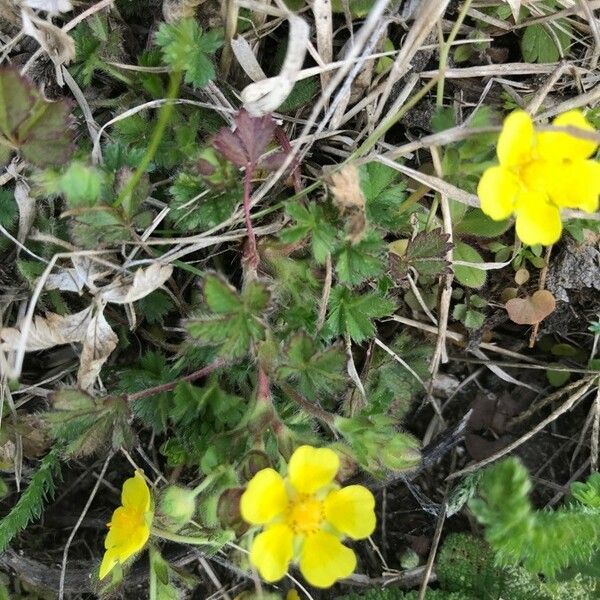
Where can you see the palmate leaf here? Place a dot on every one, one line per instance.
(384, 194)
(357, 262)
(187, 48)
(31, 125)
(310, 221)
(426, 253)
(352, 314)
(211, 207)
(234, 322)
(314, 372)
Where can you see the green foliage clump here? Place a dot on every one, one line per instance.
(543, 541)
(29, 507)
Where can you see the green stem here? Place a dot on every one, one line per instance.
(153, 584)
(164, 116)
(184, 539)
(445, 51)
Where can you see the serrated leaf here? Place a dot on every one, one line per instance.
(196, 207)
(357, 262)
(314, 372)
(236, 318)
(185, 47)
(352, 314)
(384, 193)
(221, 297)
(30, 124)
(426, 253)
(245, 145)
(310, 221)
(468, 276)
(81, 185)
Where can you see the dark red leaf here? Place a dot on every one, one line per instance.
(247, 143)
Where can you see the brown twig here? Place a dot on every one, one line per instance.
(167, 387)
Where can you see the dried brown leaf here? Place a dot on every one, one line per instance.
(531, 310)
(145, 281)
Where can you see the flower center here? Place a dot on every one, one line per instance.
(305, 514)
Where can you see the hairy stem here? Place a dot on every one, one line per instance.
(167, 387)
(164, 116)
(309, 407)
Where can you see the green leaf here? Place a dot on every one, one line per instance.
(468, 276)
(81, 185)
(538, 45)
(352, 314)
(384, 193)
(150, 372)
(310, 222)
(186, 47)
(155, 306)
(357, 262)
(443, 118)
(31, 125)
(314, 372)
(426, 253)
(302, 93)
(197, 207)
(235, 321)
(557, 378)
(476, 223)
(221, 297)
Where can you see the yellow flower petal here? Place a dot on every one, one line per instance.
(497, 191)
(576, 185)
(109, 561)
(538, 221)
(312, 468)
(272, 551)
(264, 498)
(325, 559)
(351, 510)
(557, 146)
(135, 494)
(515, 143)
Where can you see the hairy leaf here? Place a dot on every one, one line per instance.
(187, 48)
(31, 125)
(426, 253)
(314, 372)
(310, 221)
(245, 145)
(352, 314)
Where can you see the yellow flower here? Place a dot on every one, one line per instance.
(305, 517)
(540, 173)
(129, 526)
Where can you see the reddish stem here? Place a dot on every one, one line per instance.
(167, 387)
(253, 258)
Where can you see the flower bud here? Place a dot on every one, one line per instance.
(228, 510)
(253, 462)
(178, 505)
